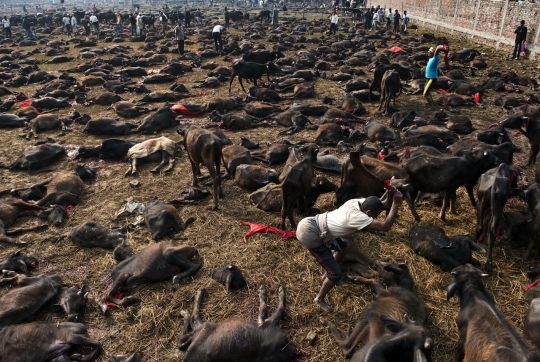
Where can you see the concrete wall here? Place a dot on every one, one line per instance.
(491, 22)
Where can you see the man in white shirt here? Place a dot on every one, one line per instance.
(95, 23)
(333, 22)
(323, 233)
(216, 34)
(140, 24)
(67, 24)
(73, 20)
(7, 26)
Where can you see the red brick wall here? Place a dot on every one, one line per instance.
(483, 26)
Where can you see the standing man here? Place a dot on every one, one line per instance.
(26, 26)
(73, 20)
(7, 26)
(389, 19)
(118, 23)
(323, 233)
(140, 23)
(187, 16)
(333, 22)
(397, 17)
(367, 19)
(67, 24)
(95, 23)
(164, 19)
(521, 36)
(405, 21)
(216, 34)
(432, 73)
(24, 9)
(133, 24)
(179, 35)
(275, 14)
(227, 18)
(85, 22)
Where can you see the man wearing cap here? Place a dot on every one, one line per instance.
(432, 72)
(325, 232)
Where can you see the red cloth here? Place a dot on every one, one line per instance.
(398, 50)
(25, 103)
(477, 98)
(181, 109)
(261, 228)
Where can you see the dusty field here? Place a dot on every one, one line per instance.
(154, 325)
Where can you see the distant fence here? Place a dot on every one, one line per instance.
(491, 22)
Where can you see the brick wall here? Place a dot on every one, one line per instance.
(490, 22)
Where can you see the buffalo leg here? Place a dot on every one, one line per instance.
(196, 319)
(216, 179)
(24, 230)
(189, 267)
(27, 205)
(284, 203)
(278, 313)
(263, 309)
(164, 160)
(79, 340)
(446, 203)
(241, 84)
(171, 165)
(121, 283)
(535, 148)
(186, 337)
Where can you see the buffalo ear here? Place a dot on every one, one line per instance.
(451, 290)
(393, 325)
(391, 268)
(476, 247)
(419, 355)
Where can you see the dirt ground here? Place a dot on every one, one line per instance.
(154, 325)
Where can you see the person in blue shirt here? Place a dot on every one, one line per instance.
(432, 72)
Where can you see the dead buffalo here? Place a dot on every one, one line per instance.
(73, 302)
(111, 149)
(159, 78)
(50, 103)
(440, 132)
(19, 263)
(252, 177)
(162, 119)
(225, 104)
(263, 94)
(35, 157)
(104, 99)
(21, 304)
(235, 121)
(211, 342)
(230, 276)
(276, 154)
(203, 147)
(8, 120)
(154, 149)
(108, 126)
(378, 132)
(162, 219)
(260, 109)
(233, 156)
(10, 210)
(55, 342)
(128, 109)
(45, 122)
(432, 243)
(154, 264)
(163, 96)
(92, 235)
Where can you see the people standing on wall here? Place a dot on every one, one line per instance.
(521, 36)
(397, 17)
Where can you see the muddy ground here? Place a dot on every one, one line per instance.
(154, 325)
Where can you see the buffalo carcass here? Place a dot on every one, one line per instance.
(43, 342)
(494, 189)
(8, 120)
(531, 322)
(432, 243)
(204, 147)
(250, 70)
(211, 342)
(234, 156)
(73, 302)
(268, 197)
(528, 126)
(252, 177)
(355, 184)
(154, 149)
(39, 156)
(163, 220)
(295, 182)
(479, 318)
(111, 149)
(390, 89)
(162, 119)
(108, 126)
(230, 276)
(128, 109)
(21, 304)
(276, 154)
(19, 263)
(10, 210)
(92, 235)
(400, 303)
(446, 174)
(154, 264)
(45, 122)
(378, 132)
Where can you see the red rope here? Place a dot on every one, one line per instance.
(533, 284)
